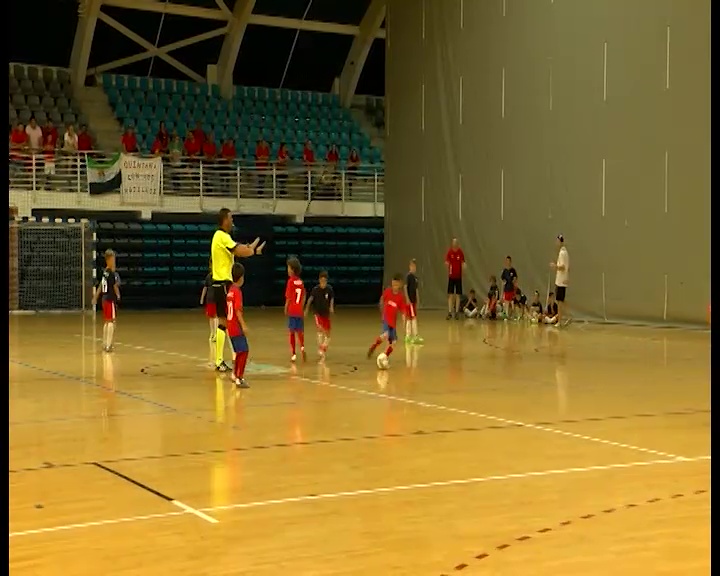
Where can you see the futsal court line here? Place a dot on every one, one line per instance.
(367, 492)
(449, 409)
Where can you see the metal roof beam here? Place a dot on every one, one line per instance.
(80, 55)
(231, 45)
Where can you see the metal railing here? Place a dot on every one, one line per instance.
(183, 176)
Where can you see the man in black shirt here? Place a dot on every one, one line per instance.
(322, 302)
(412, 295)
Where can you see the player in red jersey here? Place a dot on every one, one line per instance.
(391, 303)
(295, 306)
(236, 327)
(210, 312)
(109, 289)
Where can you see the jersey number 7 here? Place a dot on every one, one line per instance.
(298, 295)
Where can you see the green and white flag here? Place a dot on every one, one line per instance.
(104, 175)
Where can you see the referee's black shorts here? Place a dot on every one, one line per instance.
(218, 294)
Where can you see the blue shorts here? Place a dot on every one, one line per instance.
(239, 344)
(296, 324)
(391, 332)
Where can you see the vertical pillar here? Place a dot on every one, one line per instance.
(231, 45)
(88, 11)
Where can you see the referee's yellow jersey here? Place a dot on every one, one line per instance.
(221, 253)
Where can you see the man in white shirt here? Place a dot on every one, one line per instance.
(70, 140)
(35, 135)
(561, 267)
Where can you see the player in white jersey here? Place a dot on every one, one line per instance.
(562, 268)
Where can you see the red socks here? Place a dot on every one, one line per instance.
(301, 339)
(292, 342)
(389, 350)
(241, 359)
(377, 343)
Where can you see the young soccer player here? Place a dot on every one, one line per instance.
(489, 309)
(236, 327)
(551, 311)
(536, 308)
(508, 277)
(322, 302)
(210, 313)
(392, 302)
(470, 309)
(412, 295)
(295, 306)
(109, 289)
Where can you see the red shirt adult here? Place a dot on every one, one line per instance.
(262, 154)
(455, 259)
(192, 147)
(234, 302)
(199, 136)
(228, 152)
(295, 297)
(393, 303)
(84, 142)
(308, 155)
(209, 149)
(332, 156)
(282, 156)
(129, 142)
(18, 139)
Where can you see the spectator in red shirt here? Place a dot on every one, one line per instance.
(262, 157)
(129, 141)
(18, 144)
(353, 163)
(332, 156)
(51, 131)
(163, 138)
(199, 134)
(227, 163)
(85, 142)
(192, 146)
(228, 152)
(49, 156)
(281, 168)
(309, 162)
(157, 148)
(455, 262)
(209, 148)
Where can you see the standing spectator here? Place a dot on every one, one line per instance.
(308, 162)
(51, 131)
(35, 135)
(262, 157)
(353, 164)
(455, 262)
(199, 134)
(175, 150)
(209, 152)
(281, 172)
(332, 157)
(163, 138)
(561, 267)
(70, 149)
(85, 143)
(18, 145)
(49, 156)
(129, 141)
(228, 154)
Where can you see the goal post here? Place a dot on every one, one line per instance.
(52, 265)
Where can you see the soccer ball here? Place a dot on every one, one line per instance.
(382, 361)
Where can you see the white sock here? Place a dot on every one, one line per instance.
(320, 338)
(110, 333)
(408, 327)
(105, 334)
(213, 328)
(414, 328)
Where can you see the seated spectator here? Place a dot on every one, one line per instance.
(85, 143)
(551, 311)
(519, 301)
(129, 141)
(470, 307)
(489, 310)
(35, 135)
(163, 138)
(209, 148)
(157, 148)
(308, 155)
(228, 152)
(192, 147)
(175, 153)
(199, 135)
(535, 307)
(281, 172)
(262, 157)
(332, 156)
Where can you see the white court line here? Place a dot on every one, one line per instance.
(368, 492)
(196, 512)
(448, 409)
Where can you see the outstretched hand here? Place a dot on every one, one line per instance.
(259, 249)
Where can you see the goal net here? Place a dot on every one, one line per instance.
(51, 266)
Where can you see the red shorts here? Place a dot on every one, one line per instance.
(109, 310)
(322, 323)
(210, 310)
(508, 296)
(411, 311)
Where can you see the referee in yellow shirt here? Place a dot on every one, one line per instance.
(222, 253)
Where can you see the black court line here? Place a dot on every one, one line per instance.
(348, 439)
(134, 482)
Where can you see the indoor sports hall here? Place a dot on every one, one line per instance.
(359, 137)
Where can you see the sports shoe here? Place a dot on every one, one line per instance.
(418, 340)
(304, 356)
(293, 358)
(409, 340)
(222, 367)
(449, 316)
(241, 383)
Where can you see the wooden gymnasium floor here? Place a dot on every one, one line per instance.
(494, 449)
